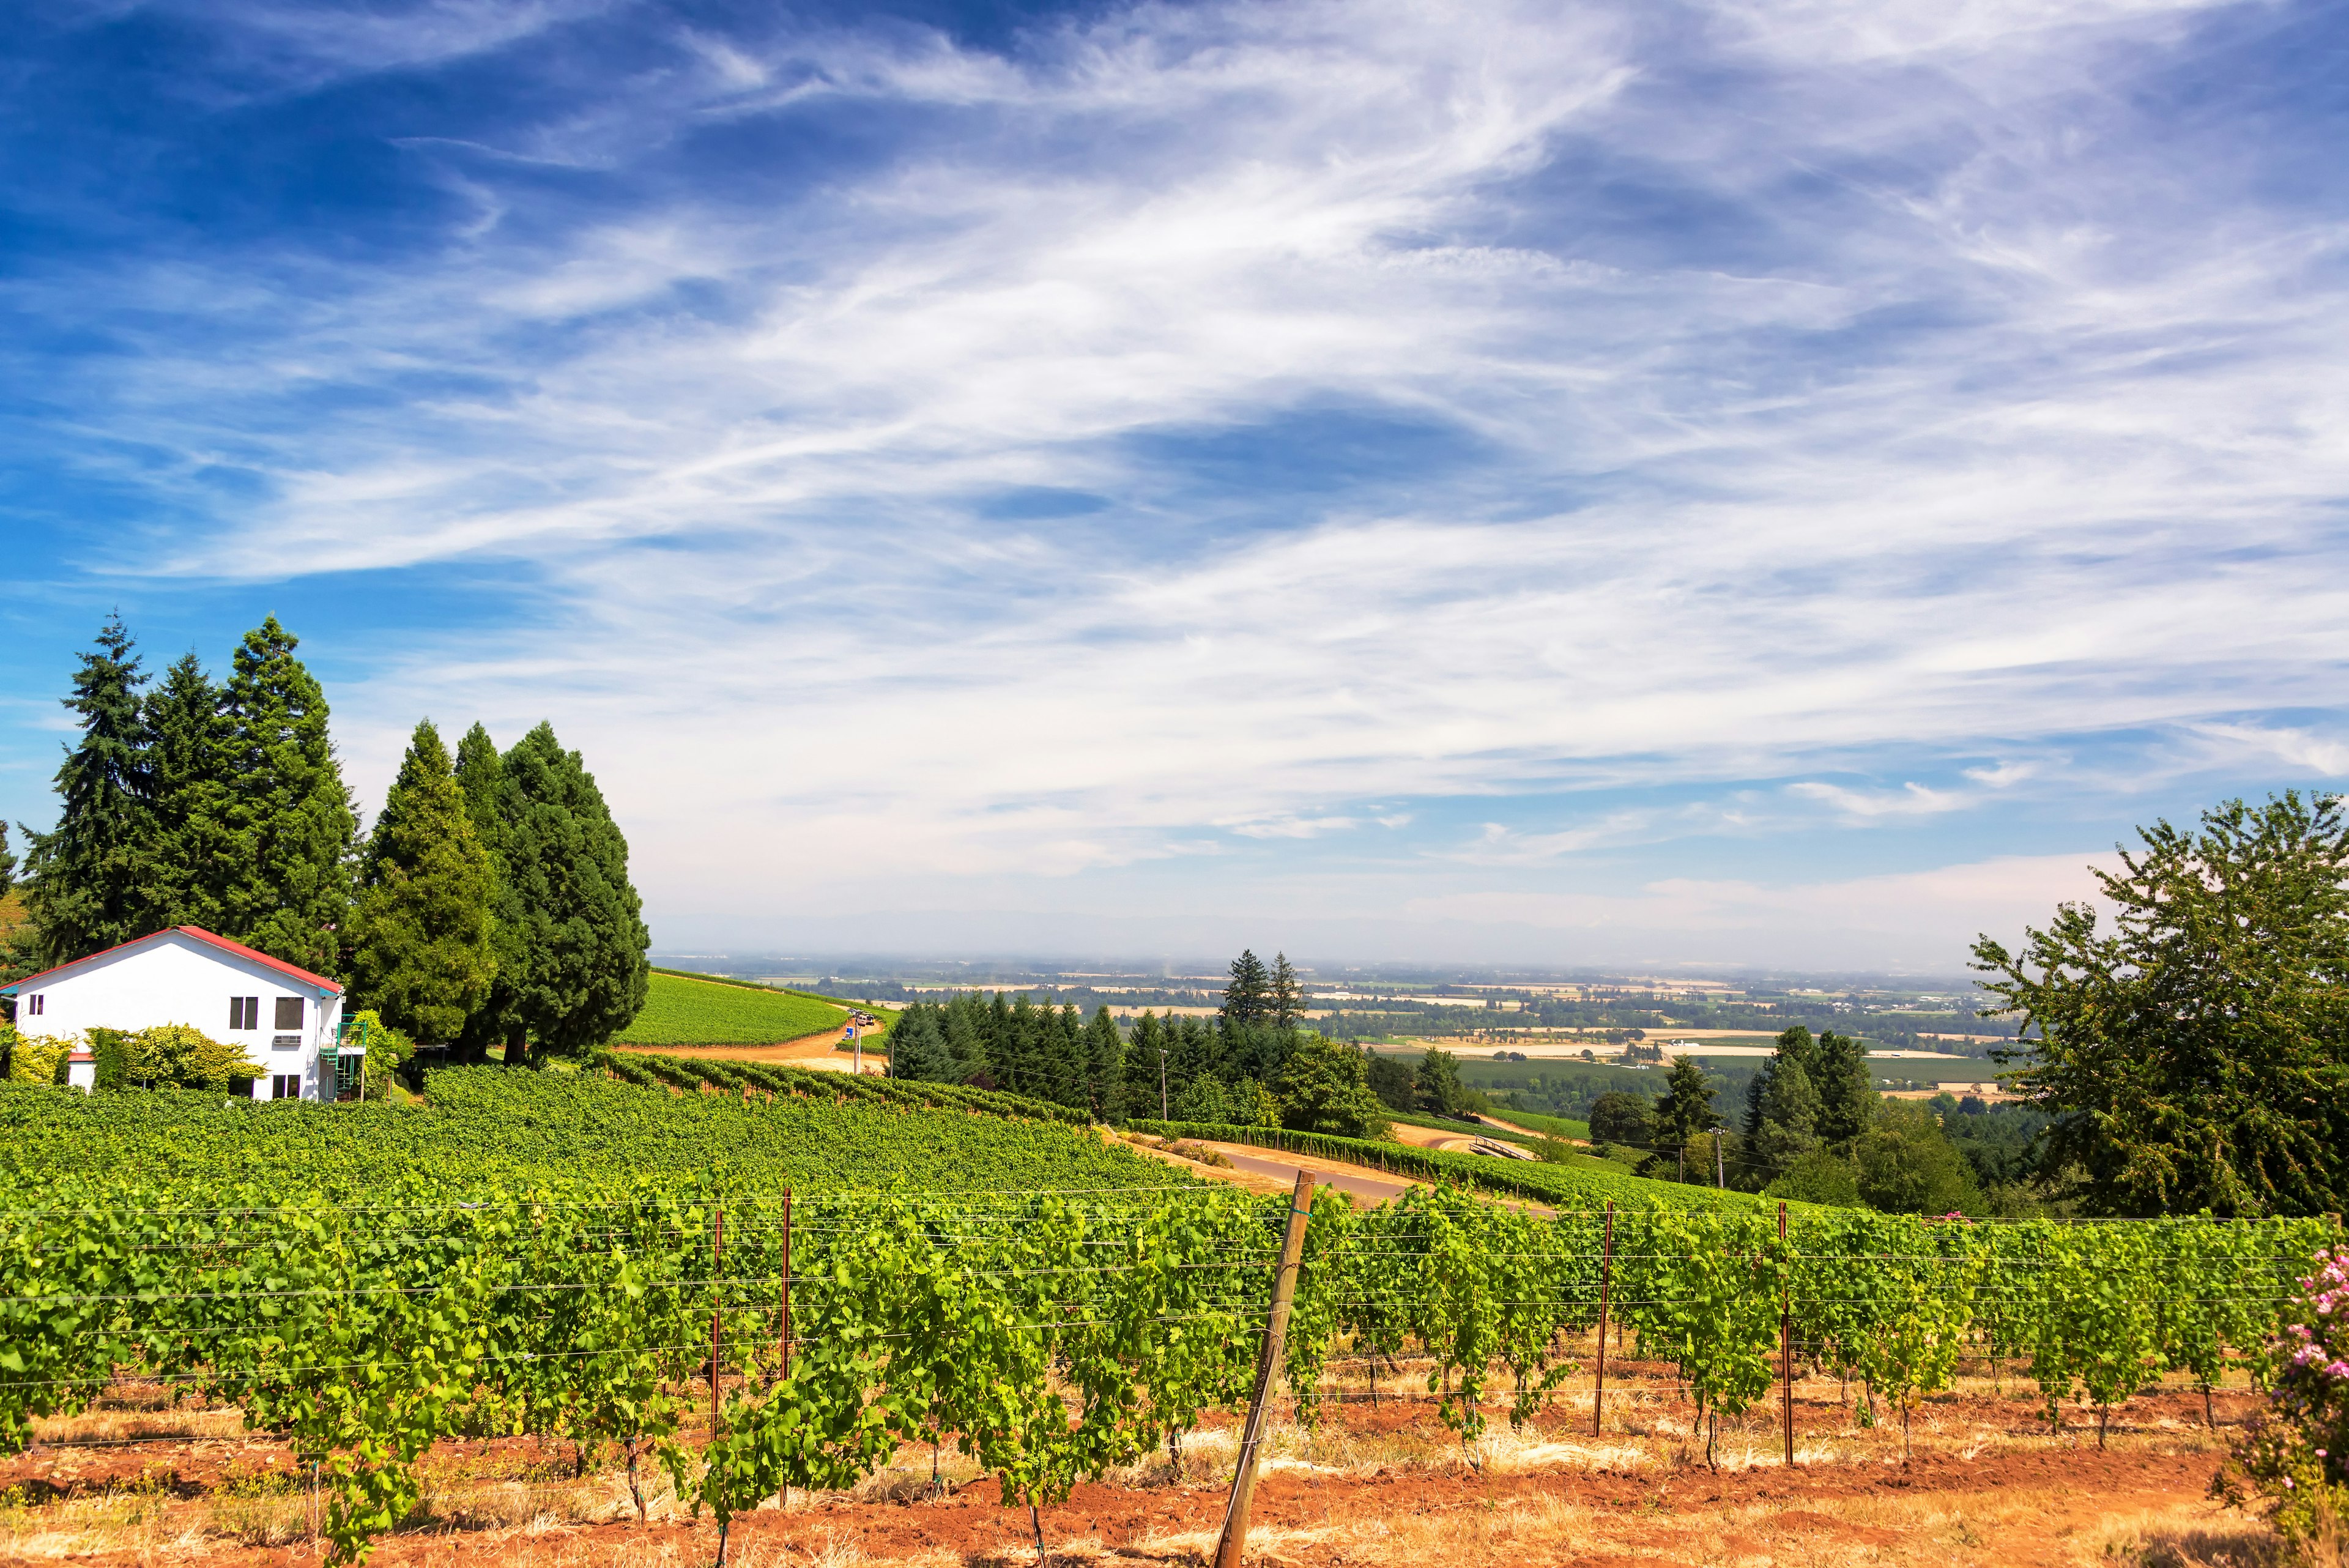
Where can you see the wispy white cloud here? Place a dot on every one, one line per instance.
(1985, 428)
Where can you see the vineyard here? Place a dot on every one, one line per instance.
(683, 1010)
(1582, 1179)
(487, 1126)
(1051, 1335)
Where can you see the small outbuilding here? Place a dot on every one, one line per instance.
(288, 1020)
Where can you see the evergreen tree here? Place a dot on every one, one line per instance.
(481, 779)
(1788, 1121)
(193, 842)
(420, 937)
(1248, 998)
(289, 816)
(1287, 1001)
(917, 1047)
(1105, 1065)
(7, 863)
(92, 881)
(1437, 1084)
(1684, 1112)
(583, 968)
(1834, 1072)
(967, 1039)
(1149, 1086)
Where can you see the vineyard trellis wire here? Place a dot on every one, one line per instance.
(1055, 1335)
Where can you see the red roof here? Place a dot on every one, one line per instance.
(201, 935)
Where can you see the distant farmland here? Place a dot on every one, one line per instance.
(682, 1011)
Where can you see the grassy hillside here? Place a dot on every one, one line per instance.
(1555, 1126)
(681, 1010)
(566, 1130)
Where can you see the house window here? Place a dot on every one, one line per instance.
(245, 1013)
(35, 1005)
(289, 1013)
(286, 1086)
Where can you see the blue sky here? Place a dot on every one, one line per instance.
(1643, 484)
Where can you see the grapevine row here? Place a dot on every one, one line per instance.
(1054, 1335)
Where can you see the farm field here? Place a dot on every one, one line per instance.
(684, 1011)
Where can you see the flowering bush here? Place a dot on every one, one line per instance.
(2293, 1456)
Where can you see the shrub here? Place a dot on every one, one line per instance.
(2295, 1457)
(41, 1058)
(182, 1055)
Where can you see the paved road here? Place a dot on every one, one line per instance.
(1368, 1189)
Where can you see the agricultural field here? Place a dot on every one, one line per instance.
(1056, 1342)
(684, 1010)
(489, 1127)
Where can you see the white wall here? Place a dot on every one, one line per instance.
(177, 979)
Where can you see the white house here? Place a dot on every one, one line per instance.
(287, 1018)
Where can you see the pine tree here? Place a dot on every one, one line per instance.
(420, 937)
(481, 779)
(1105, 1065)
(92, 881)
(193, 790)
(917, 1047)
(1149, 1090)
(966, 1038)
(1787, 1125)
(1286, 1001)
(1248, 995)
(289, 825)
(583, 973)
(7, 863)
(1686, 1110)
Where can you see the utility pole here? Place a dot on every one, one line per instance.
(1717, 1180)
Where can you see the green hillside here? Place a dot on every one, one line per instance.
(569, 1131)
(680, 1010)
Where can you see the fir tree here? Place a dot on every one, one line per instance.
(193, 790)
(583, 938)
(481, 779)
(967, 1039)
(419, 939)
(1105, 1066)
(1835, 1069)
(1247, 996)
(288, 817)
(92, 881)
(1149, 1091)
(7, 863)
(1685, 1111)
(1286, 1001)
(917, 1047)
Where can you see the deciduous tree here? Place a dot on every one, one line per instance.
(2195, 1053)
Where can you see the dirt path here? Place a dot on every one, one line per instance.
(821, 1051)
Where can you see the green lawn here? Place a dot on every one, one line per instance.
(680, 1011)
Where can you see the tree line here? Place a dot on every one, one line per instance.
(488, 905)
(1252, 1064)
